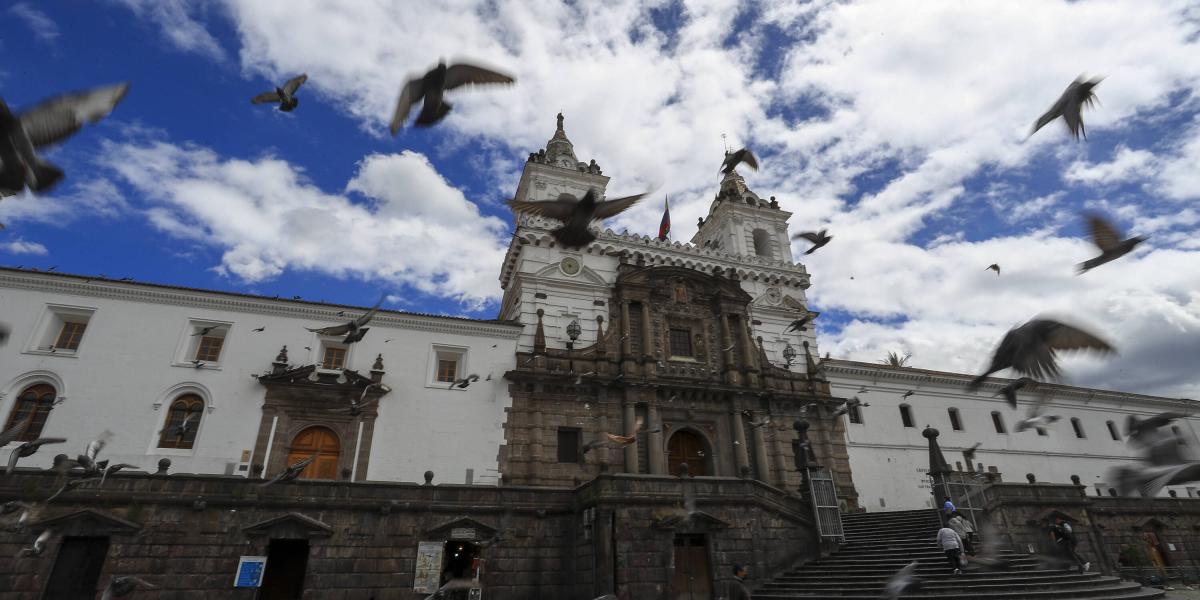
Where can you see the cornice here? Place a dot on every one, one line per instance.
(245, 303)
(981, 450)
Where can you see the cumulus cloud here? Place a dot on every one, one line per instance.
(88, 199)
(412, 227)
(177, 21)
(1126, 164)
(20, 246)
(42, 25)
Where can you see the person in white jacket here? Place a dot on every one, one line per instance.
(964, 529)
(950, 542)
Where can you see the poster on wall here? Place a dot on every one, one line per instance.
(250, 571)
(428, 573)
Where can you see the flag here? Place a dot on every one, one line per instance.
(665, 226)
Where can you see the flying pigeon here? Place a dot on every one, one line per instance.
(1069, 105)
(465, 381)
(904, 581)
(358, 406)
(969, 453)
(433, 85)
(733, 159)
(1137, 429)
(4, 330)
(16, 431)
(1108, 239)
(13, 506)
(907, 394)
(285, 96)
(1010, 390)
(1035, 419)
(1163, 462)
(28, 449)
(576, 215)
(39, 545)
(755, 424)
(292, 472)
(1031, 349)
(87, 460)
(114, 468)
(799, 324)
(609, 440)
(69, 485)
(50, 122)
(354, 330)
(124, 585)
(259, 329)
(818, 239)
(994, 267)
(206, 330)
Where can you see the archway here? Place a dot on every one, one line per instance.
(686, 446)
(324, 443)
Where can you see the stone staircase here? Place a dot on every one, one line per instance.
(879, 544)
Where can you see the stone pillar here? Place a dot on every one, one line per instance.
(726, 342)
(760, 449)
(647, 336)
(631, 462)
(739, 438)
(781, 477)
(938, 471)
(654, 450)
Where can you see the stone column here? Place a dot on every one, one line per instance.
(760, 449)
(739, 438)
(726, 342)
(781, 474)
(647, 336)
(631, 462)
(658, 461)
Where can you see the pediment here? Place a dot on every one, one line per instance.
(478, 529)
(307, 374)
(586, 274)
(290, 526)
(89, 522)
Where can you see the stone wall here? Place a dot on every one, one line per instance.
(185, 533)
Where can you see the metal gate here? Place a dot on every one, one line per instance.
(825, 503)
(965, 489)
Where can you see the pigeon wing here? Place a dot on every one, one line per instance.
(611, 208)
(266, 98)
(59, 118)
(1066, 337)
(552, 209)
(463, 74)
(808, 235)
(294, 84)
(413, 91)
(333, 330)
(1071, 114)
(1104, 235)
(15, 431)
(363, 320)
(12, 462)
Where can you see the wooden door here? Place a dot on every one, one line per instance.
(692, 580)
(688, 447)
(324, 443)
(283, 578)
(76, 568)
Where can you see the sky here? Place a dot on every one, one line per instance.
(900, 126)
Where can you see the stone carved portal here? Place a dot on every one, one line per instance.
(689, 447)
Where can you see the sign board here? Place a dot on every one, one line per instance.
(475, 594)
(462, 533)
(1171, 547)
(429, 567)
(250, 571)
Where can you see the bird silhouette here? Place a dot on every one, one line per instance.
(17, 430)
(47, 123)
(1010, 390)
(1108, 239)
(5, 331)
(465, 381)
(259, 329)
(285, 96)
(358, 406)
(576, 215)
(353, 330)
(39, 545)
(206, 330)
(819, 239)
(1069, 106)
(1031, 349)
(799, 324)
(733, 159)
(433, 85)
(994, 267)
(28, 449)
(902, 582)
(291, 472)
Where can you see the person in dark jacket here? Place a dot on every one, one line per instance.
(738, 589)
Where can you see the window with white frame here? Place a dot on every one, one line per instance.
(334, 355)
(203, 343)
(62, 330)
(447, 364)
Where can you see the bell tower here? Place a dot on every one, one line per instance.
(742, 224)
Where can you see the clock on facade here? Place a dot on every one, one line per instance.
(569, 266)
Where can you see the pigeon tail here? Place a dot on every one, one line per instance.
(430, 117)
(289, 105)
(573, 238)
(43, 176)
(975, 383)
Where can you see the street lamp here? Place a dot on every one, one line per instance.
(573, 331)
(789, 355)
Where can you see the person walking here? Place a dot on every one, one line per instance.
(738, 589)
(947, 508)
(950, 542)
(1064, 540)
(965, 530)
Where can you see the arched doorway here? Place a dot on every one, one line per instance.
(323, 442)
(686, 446)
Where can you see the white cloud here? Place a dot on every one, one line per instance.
(20, 246)
(176, 20)
(87, 199)
(42, 25)
(417, 229)
(1126, 164)
(1179, 178)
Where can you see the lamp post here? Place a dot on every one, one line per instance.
(573, 331)
(789, 355)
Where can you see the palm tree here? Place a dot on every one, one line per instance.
(895, 360)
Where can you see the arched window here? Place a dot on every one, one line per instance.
(1112, 430)
(955, 422)
(1078, 427)
(183, 421)
(906, 415)
(33, 405)
(998, 422)
(322, 442)
(762, 243)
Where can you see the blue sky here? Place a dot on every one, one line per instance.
(899, 126)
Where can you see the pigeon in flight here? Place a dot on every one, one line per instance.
(907, 394)
(13, 506)
(354, 330)
(994, 267)
(206, 330)
(1137, 429)
(1108, 239)
(1010, 390)
(292, 472)
(818, 239)
(755, 424)
(69, 485)
(4, 333)
(50, 122)
(110, 469)
(733, 159)
(16, 431)
(904, 581)
(1163, 458)
(285, 96)
(123, 585)
(1036, 419)
(609, 440)
(576, 215)
(28, 449)
(465, 381)
(849, 404)
(39, 545)
(969, 453)
(1069, 106)
(799, 324)
(87, 460)
(358, 406)
(259, 329)
(431, 88)
(1031, 349)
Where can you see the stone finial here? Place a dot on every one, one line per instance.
(377, 369)
(1075, 480)
(539, 334)
(1171, 493)
(774, 203)
(59, 459)
(1030, 478)
(560, 121)
(164, 464)
(281, 362)
(937, 462)
(428, 477)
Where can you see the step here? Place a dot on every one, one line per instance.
(980, 577)
(1118, 590)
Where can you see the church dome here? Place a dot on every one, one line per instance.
(559, 150)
